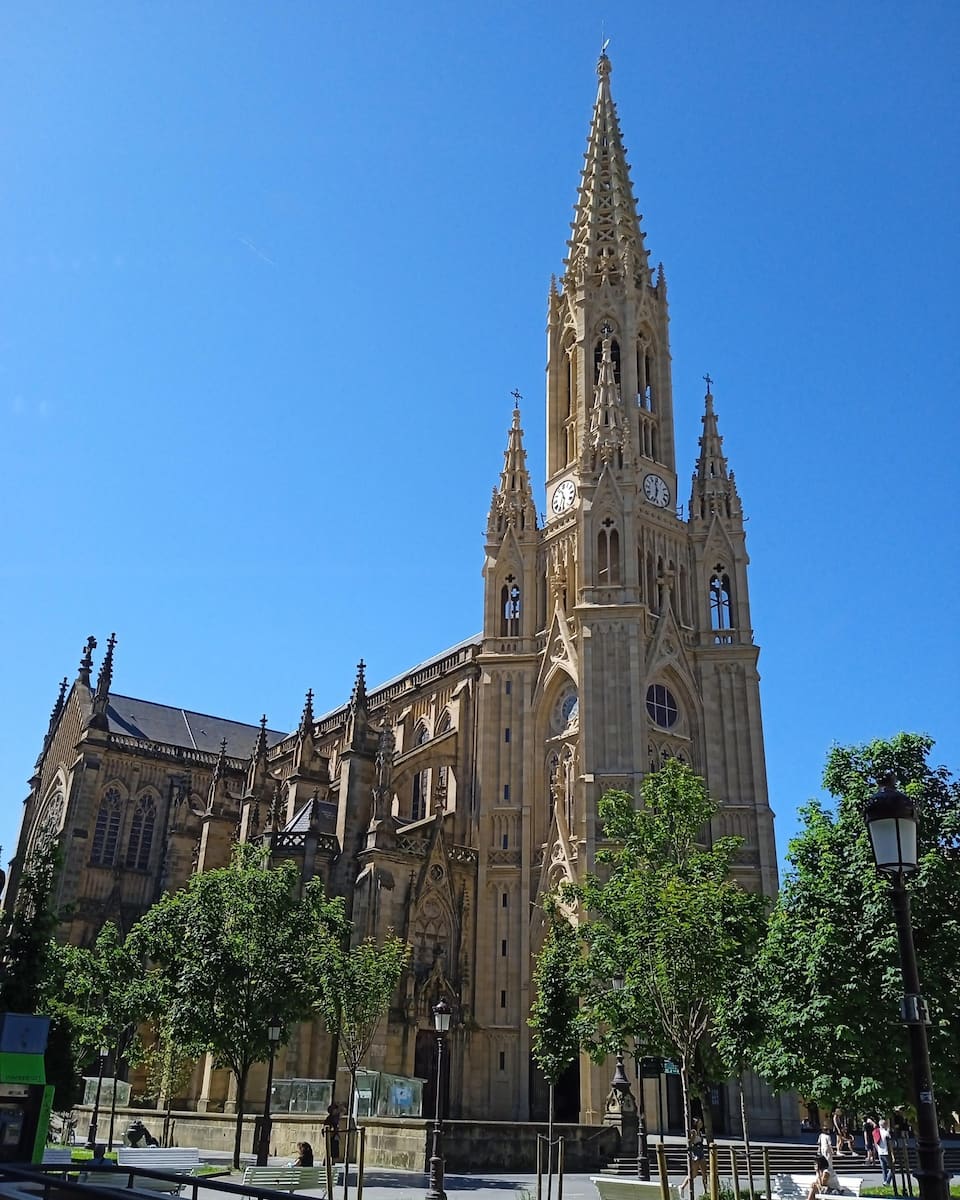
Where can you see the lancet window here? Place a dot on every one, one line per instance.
(421, 790)
(106, 833)
(608, 554)
(510, 608)
(140, 840)
(721, 615)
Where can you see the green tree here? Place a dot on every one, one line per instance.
(236, 949)
(831, 973)
(101, 990)
(353, 988)
(554, 1013)
(670, 915)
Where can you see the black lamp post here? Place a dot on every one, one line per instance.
(441, 1022)
(892, 822)
(621, 1083)
(95, 1118)
(266, 1123)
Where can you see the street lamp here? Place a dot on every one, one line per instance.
(94, 1119)
(263, 1149)
(892, 822)
(441, 1022)
(621, 1083)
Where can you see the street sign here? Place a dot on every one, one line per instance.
(670, 1068)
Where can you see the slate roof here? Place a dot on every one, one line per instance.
(179, 727)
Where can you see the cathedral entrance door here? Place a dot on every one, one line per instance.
(425, 1068)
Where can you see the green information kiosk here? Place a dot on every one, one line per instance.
(25, 1096)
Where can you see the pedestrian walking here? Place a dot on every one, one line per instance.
(698, 1160)
(882, 1139)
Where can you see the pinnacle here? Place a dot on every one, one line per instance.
(512, 503)
(607, 245)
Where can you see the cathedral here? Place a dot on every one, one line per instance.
(616, 633)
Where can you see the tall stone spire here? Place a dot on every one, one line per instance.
(101, 697)
(607, 245)
(512, 505)
(609, 432)
(714, 490)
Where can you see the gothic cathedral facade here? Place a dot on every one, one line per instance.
(616, 633)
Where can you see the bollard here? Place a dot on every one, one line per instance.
(766, 1172)
(713, 1173)
(663, 1173)
(734, 1174)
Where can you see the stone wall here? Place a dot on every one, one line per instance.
(404, 1144)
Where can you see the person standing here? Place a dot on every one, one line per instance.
(331, 1127)
(883, 1149)
(825, 1145)
(869, 1125)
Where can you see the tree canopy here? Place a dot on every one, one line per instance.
(830, 968)
(355, 987)
(239, 950)
(669, 917)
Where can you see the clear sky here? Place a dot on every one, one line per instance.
(270, 271)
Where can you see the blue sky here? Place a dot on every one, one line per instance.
(269, 273)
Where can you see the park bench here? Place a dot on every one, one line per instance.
(57, 1156)
(173, 1160)
(795, 1187)
(285, 1179)
(616, 1187)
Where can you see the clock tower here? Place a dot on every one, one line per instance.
(617, 633)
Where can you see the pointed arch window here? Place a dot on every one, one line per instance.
(608, 554)
(106, 833)
(444, 724)
(421, 790)
(421, 735)
(510, 608)
(720, 607)
(140, 840)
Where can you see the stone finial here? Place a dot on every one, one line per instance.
(306, 717)
(358, 697)
(105, 676)
(86, 662)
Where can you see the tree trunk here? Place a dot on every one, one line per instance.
(241, 1077)
(707, 1109)
(350, 1126)
(685, 1089)
(113, 1111)
(550, 1141)
(745, 1126)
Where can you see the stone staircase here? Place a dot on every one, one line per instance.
(784, 1158)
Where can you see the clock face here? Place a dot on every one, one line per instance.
(656, 491)
(564, 495)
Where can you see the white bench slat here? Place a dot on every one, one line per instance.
(286, 1179)
(788, 1187)
(613, 1187)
